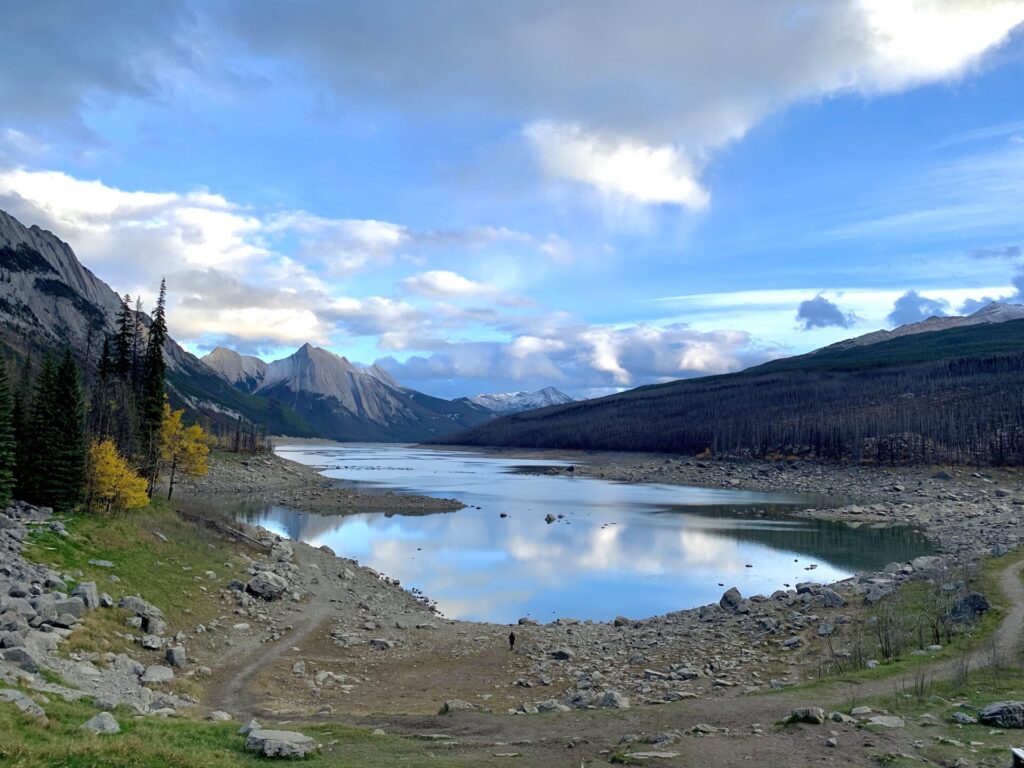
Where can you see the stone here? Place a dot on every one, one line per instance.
(23, 702)
(549, 518)
(155, 674)
(561, 654)
(886, 721)
(731, 599)
(861, 711)
(104, 722)
(969, 607)
(613, 700)
(89, 594)
(299, 668)
(176, 657)
(101, 563)
(140, 607)
(155, 626)
(267, 585)
(21, 657)
(812, 715)
(252, 725)
(288, 744)
(380, 644)
(456, 705)
(106, 702)
(831, 599)
(1004, 714)
(621, 621)
(12, 640)
(73, 606)
(152, 642)
(218, 716)
(832, 742)
(962, 718)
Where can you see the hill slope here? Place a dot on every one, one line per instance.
(952, 395)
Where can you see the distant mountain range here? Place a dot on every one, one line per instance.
(343, 401)
(508, 403)
(946, 389)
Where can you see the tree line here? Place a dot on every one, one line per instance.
(956, 398)
(103, 446)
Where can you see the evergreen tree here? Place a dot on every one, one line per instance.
(68, 449)
(7, 444)
(35, 445)
(20, 423)
(151, 411)
(123, 339)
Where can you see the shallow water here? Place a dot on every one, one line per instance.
(637, 550)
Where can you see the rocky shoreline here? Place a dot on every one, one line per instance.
(269, 479)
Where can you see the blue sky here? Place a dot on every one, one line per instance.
(492, 197)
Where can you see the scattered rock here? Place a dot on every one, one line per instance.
(1004, 714)
(287, 744)
(104, 722)
(812, 715)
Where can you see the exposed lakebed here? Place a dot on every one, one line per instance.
(614, 548)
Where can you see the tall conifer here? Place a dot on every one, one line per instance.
(153, 387)
(7, 444)
(68, 449)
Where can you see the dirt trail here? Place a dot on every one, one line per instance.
(229, 690)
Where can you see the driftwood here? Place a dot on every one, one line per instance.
(225, 529)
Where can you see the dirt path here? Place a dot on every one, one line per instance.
(230, 687)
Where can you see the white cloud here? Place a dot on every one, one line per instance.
(441, 284)
(620, 169)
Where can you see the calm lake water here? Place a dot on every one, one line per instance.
(636, 550)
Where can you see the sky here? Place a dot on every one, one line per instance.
(489, 197)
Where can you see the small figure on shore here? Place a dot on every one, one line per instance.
(511, 641)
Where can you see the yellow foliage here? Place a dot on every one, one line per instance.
(183, 449)
(111, 481)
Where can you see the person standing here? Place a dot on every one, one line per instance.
(511, 641)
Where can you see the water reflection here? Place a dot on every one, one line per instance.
(637, 550)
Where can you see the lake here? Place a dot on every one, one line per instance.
(617, 548)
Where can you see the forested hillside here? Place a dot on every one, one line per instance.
(955, 395)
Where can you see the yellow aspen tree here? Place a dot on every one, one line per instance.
(111, 481)
(183, 450)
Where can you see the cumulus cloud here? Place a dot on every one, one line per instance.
(442, 284)
(912, 307)
(819, 312)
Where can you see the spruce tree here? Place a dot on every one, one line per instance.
(20, 423)
(151, 410)
(123, 339)
(36, 445)
(7, 444)
(69, 447)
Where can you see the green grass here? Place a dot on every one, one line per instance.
(911, 595)
(151, 742)
(171, 573)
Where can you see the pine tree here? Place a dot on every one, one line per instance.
(123, 339)
(35, 444)
(151, 411)
(7, 444)
(69, 449)
(20, 424)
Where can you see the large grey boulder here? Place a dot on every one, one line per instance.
(280, 743)
(75, 606)
(155, 674)
(141, 608)
(22, 702)
(456, 705)
(613, 700)
(176, 656)
(268, 585)
(21, 657)
(88, 593)
(1005, 714)
(969, 607)
(812, 715)
(104, 722)
(731, 600)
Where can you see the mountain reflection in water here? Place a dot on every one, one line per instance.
(637, 550)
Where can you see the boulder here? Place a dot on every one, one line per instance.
(886, 721)
(1004, 714)
(74, 606)
(156, 673)
(831, 599)
(457, 705)
(969, 607)
(731, 600)
(280, 743)
(22, 702)
(104, 722)
(218, 716)
(267, 585)
(613, 700)
(812, 715)
(21, 657)
(176, 657)
(561, 654)
(88, 593)
(141, 608)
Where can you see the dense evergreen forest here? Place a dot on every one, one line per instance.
(97, 438)
(945, 396)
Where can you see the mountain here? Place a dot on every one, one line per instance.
(344, 401)
(243, 371)
(993, 312)
(949, 395)
(48, 300)
(507, 403)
